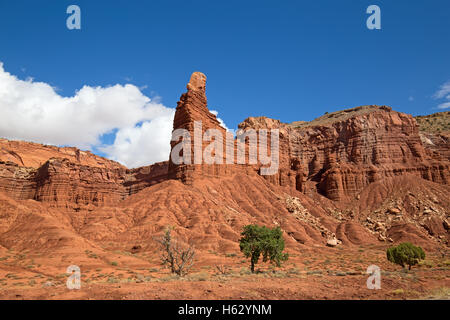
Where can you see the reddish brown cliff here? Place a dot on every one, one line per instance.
(336, 155)
(340, 175)
(192, 115)
(340, 153)
(69, 177)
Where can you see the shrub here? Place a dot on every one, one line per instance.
(405, 254)
(398, 291)
(222, 269)
(257, 241)
(180, 259)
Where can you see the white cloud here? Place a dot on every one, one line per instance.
(444, 105)
(443, 91)
(143, 145)
(214, 112)
(33, 111)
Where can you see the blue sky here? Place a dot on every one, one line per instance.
(289, 60)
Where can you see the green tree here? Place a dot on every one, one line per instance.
(405, 254)
(257, 241)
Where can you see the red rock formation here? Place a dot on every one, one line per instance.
(70, 177)
(192, 111)
(34, 155)
(343, 152)
(337, 155)
(438, 144)
(358, 159)
(16, 181)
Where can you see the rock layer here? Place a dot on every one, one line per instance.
(192, 115)
(336, 155)
(352, 177)
(68, 180)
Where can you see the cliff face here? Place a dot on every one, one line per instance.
(336, 155)
(358, 175)
(192, 115)
(16, 181)
(34, 155)
(69, 177)
(345, 151)
(435, 133)
(339, 154)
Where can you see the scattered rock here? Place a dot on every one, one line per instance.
(446, 224)
(395, 211)
(333, 242)
(136, 248)
(379, 226)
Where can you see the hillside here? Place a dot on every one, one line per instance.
(360, 179)
(435, 123)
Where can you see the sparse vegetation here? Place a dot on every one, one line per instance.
(398, 291)
(201, 276)
(426, 263)
(222, 269)
(177, 257)
(405, 254)
(434, 123)
(269, 243)
(112, 280)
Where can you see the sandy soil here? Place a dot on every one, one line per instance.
(334, 273)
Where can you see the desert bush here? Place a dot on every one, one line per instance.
(112, 280)
(260, 240)
(177, 257)
(426, 263)
(222, 269)
(405, 254)
(398, 291)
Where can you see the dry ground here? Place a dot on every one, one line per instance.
(314, 273)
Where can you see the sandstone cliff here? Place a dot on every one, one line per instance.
(340, 153)
(336, 155)
(68, 177)
(358, 176)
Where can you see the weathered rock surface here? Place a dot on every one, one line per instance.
(343, 152)
(34, 155)
(192, 108)
(354, 177)
(338, 156)
(70, 177)
(435, 132)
